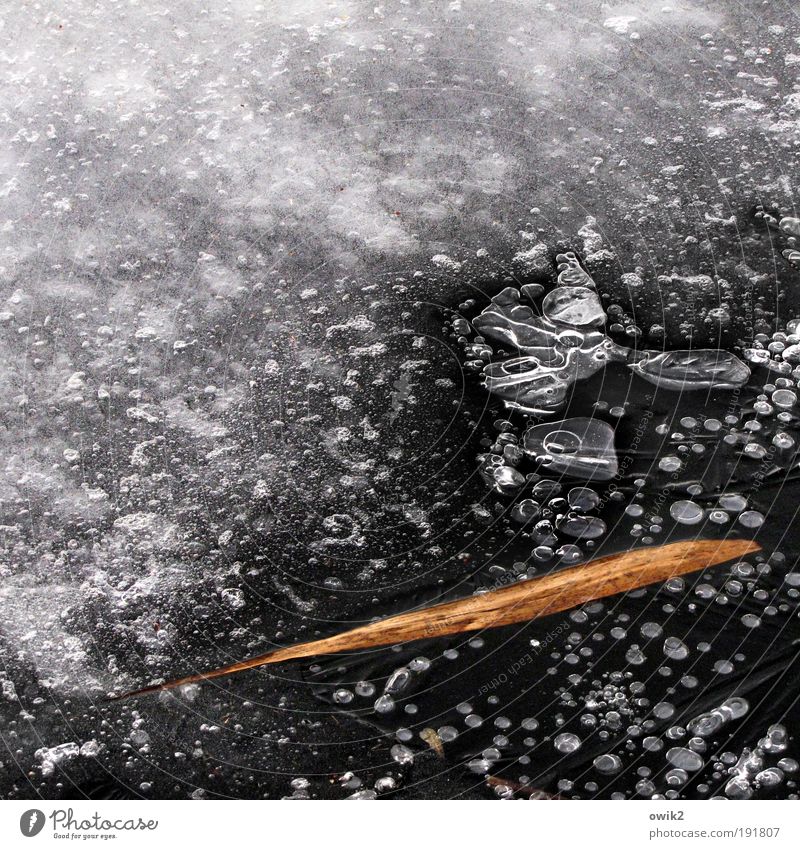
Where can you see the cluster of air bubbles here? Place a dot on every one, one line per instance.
(550, 476)
(556, 517)
(789, 227)
(615, 709)
(746, 436)
(531, 345)
(752, 770)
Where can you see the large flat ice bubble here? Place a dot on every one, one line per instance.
(790, 225)
(579, 447)
(571, 272)
(525, 383)
(507, 320)
(574, 305)
(540, 384)
(685, 370)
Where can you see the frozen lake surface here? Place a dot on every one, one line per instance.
(244, 251)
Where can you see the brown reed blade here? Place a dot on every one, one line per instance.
(519, 602)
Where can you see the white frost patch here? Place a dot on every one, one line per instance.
(49, 759)
(620, 24)
(377, 349)
(8, 690)
(32, 623)
(792, 102)
(357, 324)
(738, 104)
(444, 261)
(193, 422)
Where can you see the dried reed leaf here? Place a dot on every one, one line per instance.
(519, 602)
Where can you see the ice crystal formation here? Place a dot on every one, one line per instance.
(233, 416)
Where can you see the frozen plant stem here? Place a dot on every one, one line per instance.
(520, 602)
